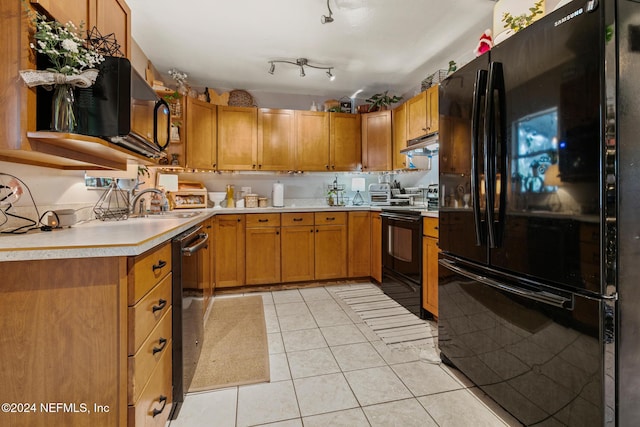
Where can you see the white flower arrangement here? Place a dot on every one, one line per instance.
(63, 45)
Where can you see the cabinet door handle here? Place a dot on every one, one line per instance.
(163, 344)
(159, 265)
(277, 233)
(161, 304)
(239, 220)
(297, 219)
(330, 218)
(162, 399)
(424, 129)
(263, 220)
(311, 230)
(253, 166)
(435, 228)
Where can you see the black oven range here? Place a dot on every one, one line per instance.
(402, 257)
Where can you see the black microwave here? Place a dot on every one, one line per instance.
(123, 109)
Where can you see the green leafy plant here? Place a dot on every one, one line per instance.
(170, 97)
(380, 101)
(517, 23)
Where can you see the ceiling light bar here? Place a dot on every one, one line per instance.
(302, 62)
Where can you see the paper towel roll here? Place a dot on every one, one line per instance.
(278, 195)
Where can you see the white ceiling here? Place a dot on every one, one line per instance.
(373, 45)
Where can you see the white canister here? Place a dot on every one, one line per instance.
(278, 195)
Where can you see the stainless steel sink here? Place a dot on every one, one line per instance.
(170, 215)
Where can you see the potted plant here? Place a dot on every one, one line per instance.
(381, 101)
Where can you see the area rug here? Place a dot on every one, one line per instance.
(235, 349)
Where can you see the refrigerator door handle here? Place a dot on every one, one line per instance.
(495, 151)
(479, 90)
(489, 153)
(539, 296)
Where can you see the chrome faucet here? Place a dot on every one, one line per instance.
(137, 198)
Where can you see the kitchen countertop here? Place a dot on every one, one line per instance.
(131, 237)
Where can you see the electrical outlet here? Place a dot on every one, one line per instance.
(246, 190)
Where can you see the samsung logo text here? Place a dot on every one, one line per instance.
(568, 17)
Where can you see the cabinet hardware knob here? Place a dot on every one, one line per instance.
(277, 233)
(159, 265)
(326, 166)
(215, 164)
(253, 166)
(317, 230)
(333, 166)
(311, 230)
(163, 344)
(239, 220)
(162, 303)
(435, 228)
(162, 399)
(297, 219)
(425, 129)
(330, 218)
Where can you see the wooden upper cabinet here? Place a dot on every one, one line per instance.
(422, 113)
(63, 11)
(276, 139)
(114, 16)
(312, 141)
(433, 114)
(345, 153)
(237, 138)
(416, 114)
(376, 141)
(399, 125)
(200, 134)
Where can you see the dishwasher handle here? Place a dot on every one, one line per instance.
(203, 238)
(540, 296)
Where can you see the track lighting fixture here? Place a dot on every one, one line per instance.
(327, 19)
(302, 62)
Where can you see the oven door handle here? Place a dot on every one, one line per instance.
(203, 238)
(400, 217)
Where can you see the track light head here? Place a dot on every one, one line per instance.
(302, 74)
(326, 19)
(300, 62)
(331, 76)
(272, 68)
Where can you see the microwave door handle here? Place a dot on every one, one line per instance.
(161, 144)
(489, 153)
(479, 89)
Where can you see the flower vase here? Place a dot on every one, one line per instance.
(63, 118)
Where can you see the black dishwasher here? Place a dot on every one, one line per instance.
(188, 326)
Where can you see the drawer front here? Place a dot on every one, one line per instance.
(147, 313)
(430, 227)
(149, 357)
(263, 220)
(330, 218)
(291, 219)
(147, 270)
(154, 405)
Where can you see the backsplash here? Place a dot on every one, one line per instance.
(53, 189)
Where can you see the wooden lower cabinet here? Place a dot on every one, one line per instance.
(230, 251)
(297, 247)
(88, 328)
(262, 256)
(330, 245)
(430, 252)
(359, 245)
(376, 247)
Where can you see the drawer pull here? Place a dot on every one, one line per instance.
(163, 344)
(330, 218)
(435, 228)
(161, 304)
(159, 265)
(297, 219)
(162, 399)
(263, 220)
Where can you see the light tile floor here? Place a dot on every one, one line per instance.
(328, 368)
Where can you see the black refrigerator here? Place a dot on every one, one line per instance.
(539, 274)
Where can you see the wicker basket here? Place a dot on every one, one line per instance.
(241, 98)
(251, 201)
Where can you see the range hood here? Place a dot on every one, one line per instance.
(424, 146)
